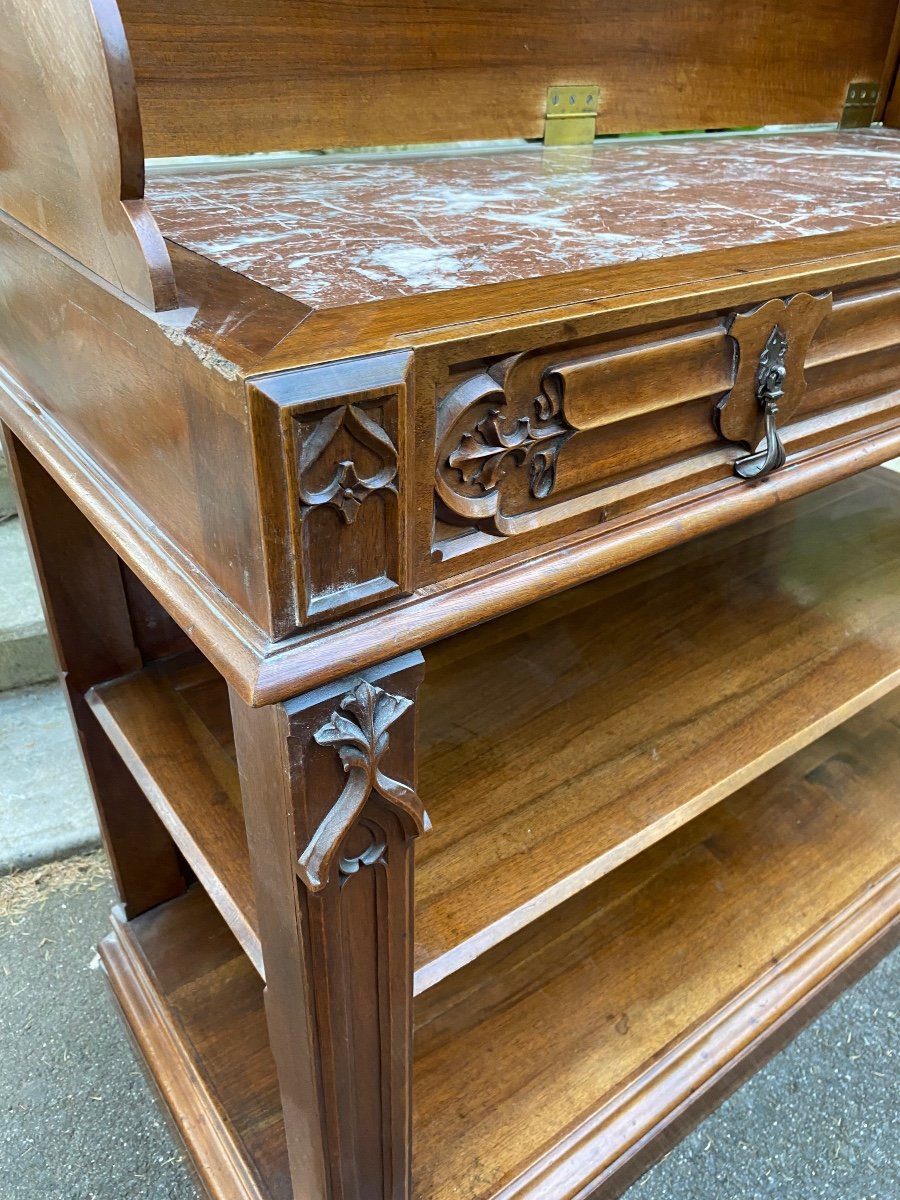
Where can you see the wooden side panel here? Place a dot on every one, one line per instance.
(71, 151)
(888, 110)
(290, 75)
(154, 406)
(892, 110)
(89, 622)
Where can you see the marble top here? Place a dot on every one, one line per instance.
(335, 231)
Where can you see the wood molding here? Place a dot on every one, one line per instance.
(598, 1153)
(73, 129)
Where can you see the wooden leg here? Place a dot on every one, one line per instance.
(328, 783)
(88, 618)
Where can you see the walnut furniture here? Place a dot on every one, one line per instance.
(461, 527)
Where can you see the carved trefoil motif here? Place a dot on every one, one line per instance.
(771, 344)
(347, 489)
(359, 732)
(372, 854)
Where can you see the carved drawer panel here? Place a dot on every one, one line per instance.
(385, 474)
(532, 445)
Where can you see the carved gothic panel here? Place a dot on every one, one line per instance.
(368, 465)
(339, 518)
(578, 434)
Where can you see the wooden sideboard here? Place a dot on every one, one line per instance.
(469, 562)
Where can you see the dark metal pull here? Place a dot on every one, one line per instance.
(757, 466)
(769, 390)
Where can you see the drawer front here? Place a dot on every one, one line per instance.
(385, 475)
(541, 443)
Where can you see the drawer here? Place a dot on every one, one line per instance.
(537, 444)
(391, 473)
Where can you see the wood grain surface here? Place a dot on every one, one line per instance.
(194, 1006)
(86, 610)
(543, 1068)
(73, 157)
(565, 738)
(603, 1018)
(587, 727)
(286, 75)
(171, 726)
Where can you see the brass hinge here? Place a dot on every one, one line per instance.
(859, 107)
(571, 115)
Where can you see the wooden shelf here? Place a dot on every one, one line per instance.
(549, 1066)
(172, 726)
(586, 727)
(194, 1005)
(566, 738)
(606, 1017)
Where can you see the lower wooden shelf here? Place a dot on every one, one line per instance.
(564, 739)
(559, 1061)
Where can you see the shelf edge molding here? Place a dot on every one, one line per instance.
(696, 1074)
(70, 97)
(206, 1130)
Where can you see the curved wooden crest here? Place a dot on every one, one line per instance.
(71, 150)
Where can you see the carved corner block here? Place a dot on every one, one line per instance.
(332, 461)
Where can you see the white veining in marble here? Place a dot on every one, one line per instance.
(331, 232)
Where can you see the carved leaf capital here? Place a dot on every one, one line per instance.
(359, 732)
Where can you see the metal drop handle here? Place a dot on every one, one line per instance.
(770, 377)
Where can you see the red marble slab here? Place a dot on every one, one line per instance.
(333, 231)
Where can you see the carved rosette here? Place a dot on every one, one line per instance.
(358, 731)
(487, 434)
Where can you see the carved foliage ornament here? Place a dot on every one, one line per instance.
(481, 443)
(497, 442)
(359, 734)
(347, 489)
